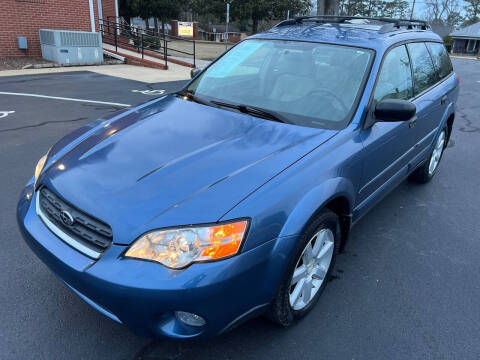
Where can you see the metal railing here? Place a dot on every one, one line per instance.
(145, 41)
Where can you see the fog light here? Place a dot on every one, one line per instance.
(190, 319)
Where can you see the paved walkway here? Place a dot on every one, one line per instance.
(174, 72)
(202, 64)
(130, 72)
(171, 66)
(139, 73)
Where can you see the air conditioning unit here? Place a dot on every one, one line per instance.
(71, 47)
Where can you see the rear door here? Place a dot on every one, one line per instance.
(388, 145)
(428, 98)
(444, 69)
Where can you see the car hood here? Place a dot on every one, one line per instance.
(173, 162)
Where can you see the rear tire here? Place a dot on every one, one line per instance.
(312, 262)
(427, 171)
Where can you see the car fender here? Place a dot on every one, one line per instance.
(315, 200)
(446, 114)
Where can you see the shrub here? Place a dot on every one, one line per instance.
(151, 42)
(447, 40)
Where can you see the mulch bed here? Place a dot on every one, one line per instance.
(19, 62)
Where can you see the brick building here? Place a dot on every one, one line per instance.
(23, 18)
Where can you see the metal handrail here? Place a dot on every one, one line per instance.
(124, 34)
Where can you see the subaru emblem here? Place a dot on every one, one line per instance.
(67, 218)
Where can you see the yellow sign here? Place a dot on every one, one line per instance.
(185, 29)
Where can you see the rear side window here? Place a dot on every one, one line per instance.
(424, 74)
(395, 80)
(441, 60)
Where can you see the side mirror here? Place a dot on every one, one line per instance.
(390, 110)
(194, 72)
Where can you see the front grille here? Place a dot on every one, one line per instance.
(80, 230)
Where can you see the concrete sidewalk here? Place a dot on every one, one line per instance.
(130, 72)
(173, 68)
(454, 56)
(202, 64)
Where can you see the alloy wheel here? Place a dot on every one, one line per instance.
(311, 269)
(437, 153)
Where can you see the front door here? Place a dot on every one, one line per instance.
(387, 145)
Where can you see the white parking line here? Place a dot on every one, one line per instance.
(150, 92)
(64, 98)
(5, 113)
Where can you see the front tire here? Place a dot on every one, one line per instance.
(426, 172)
(308, 271)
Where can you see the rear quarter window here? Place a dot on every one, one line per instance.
(440, 58)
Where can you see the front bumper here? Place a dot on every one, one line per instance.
(144, 295)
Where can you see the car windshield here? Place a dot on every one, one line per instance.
(303, 83)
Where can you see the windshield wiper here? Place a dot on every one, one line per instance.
(190, 96)
(255, 111)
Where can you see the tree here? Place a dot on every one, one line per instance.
(164, 10)
(327, 7)
(392, 9)
(125, 10)
(473, 11)
(439, 11)
(454, 18)
(374, 8)
(252, 10)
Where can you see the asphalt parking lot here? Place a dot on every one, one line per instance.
(406, 287)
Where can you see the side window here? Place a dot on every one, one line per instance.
(395, 80)
(423, 71)
(440, 58)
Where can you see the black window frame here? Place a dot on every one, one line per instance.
(431, 56)
(404, 44)
(415, 94)
(369, 113)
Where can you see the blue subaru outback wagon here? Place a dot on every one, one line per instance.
(188, 214)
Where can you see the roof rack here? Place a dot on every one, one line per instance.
(389, 26)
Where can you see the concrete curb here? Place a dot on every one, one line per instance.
(465, 57)
(55, 65)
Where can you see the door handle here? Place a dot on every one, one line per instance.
(412, 122)
(444, 99)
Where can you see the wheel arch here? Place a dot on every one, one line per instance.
(336, 195)
(449, 123)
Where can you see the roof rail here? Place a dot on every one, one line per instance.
(389, 26)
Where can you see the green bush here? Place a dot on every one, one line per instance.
(447, 40)
(151, 42)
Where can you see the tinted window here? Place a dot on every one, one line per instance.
(441, 60)
(423, 71)
(310, 84)
(395, 80)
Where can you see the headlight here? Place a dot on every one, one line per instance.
(40, 165)
(177, 248)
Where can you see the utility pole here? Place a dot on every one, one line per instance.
(321, 7)
(413, 7)
(228, 20)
